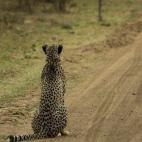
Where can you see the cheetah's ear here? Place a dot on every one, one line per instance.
(60, 48)
(44, 48)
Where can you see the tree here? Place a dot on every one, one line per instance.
(100, 18)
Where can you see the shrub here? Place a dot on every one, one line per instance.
(60, 5)
(26, 5)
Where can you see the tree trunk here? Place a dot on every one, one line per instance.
(100, 18)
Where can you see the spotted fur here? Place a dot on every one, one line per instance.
(51, 117)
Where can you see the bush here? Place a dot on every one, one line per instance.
(26, 5)
(30, 5)
(60, 5)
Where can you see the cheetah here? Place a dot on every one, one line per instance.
(50, 118)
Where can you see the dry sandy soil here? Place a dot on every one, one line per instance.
(108, 106)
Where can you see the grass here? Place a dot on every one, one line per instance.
(21, 58)
(20, 87)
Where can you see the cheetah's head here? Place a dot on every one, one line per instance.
(52, 52)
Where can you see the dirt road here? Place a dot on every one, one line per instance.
(110, 108)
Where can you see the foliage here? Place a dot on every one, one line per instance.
(28, 5)
(60, 5)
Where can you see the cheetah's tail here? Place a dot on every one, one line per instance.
(12, 138)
